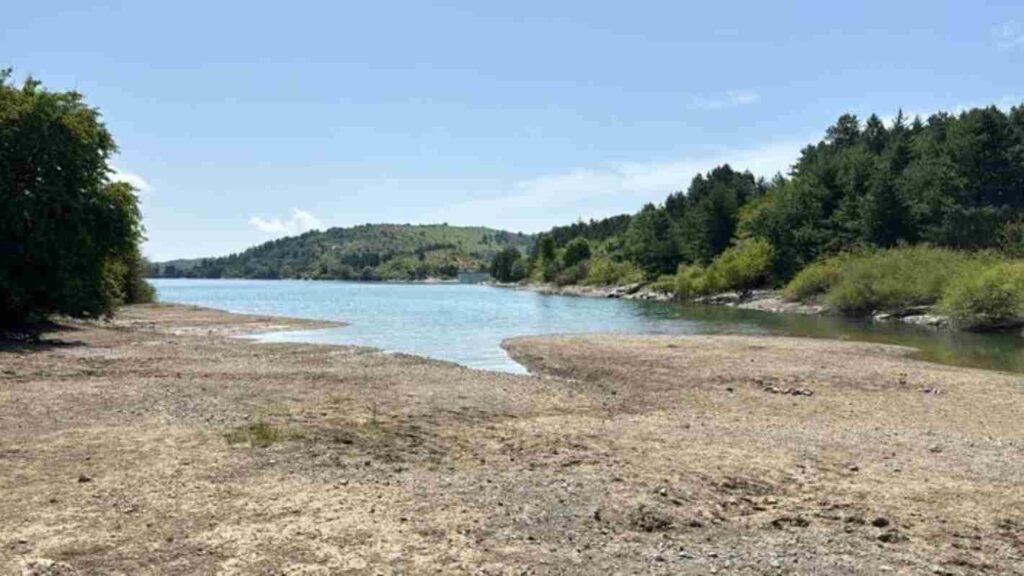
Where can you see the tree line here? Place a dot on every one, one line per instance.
(951, 180)
(367, 252)
(69, 235)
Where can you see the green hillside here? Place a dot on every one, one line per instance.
(367, 252)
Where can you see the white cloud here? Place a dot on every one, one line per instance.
(730, 99)
(299, 222)
(1008, 36)
(539, 203)
(132, 178)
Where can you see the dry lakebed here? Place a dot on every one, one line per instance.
(161, 443)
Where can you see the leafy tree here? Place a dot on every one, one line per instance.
(711, 213)
(651, 241)
(69, 237)
(576, 251)
(506, 265)
(547, 248)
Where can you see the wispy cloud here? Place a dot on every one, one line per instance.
(538, 203)
(1009, 36)
(132, 178)
(730, 99)
(299, 222)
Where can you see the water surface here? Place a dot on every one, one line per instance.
(466, 323)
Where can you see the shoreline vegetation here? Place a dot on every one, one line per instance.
(620, 454)
(916, 219)
(979, 291)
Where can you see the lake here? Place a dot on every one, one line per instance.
(466, 323)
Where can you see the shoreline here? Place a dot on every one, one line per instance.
(768, 300)
(162, 442)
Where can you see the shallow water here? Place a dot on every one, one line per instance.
(466, 323)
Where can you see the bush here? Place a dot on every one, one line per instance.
(665, 284)
(897, 279)
(1011, 239)
(815, 279)
(572, 275)
(690, 282)
(603, 271)
(986, 299)
(745, 265)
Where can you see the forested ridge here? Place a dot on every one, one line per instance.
(366, 252)
(953, 180)
(857, 201)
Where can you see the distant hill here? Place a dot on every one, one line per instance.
(367, 252)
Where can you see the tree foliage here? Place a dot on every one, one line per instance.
(507, 265)
(69, 236)
(367, 252)
(949, 180)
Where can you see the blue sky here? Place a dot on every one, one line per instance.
(243, 121)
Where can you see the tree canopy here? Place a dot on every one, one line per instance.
(949, 180)
(69, 236)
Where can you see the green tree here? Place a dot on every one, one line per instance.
(506, 265)
(575, 252)
(69, 237)
(651, 241)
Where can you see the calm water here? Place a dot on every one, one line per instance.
(466, 323)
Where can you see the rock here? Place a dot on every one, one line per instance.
(892, 537)
(772, 389)
(795, 521)
(46, 567)
(83, 478)
(626, 290)
(933, 320)
(649, 520)
(880, 522)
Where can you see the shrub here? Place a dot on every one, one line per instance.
(572, 275)
(690, 282)
(745, 265)
(603, 271)
(665, 284)
(900, 278)
(986, 299)
(815, 279)
(1011, 239)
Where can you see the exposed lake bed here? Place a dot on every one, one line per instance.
(163, 439)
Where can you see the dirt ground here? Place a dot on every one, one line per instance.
(160, 444)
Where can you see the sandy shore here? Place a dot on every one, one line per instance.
(159, 444)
